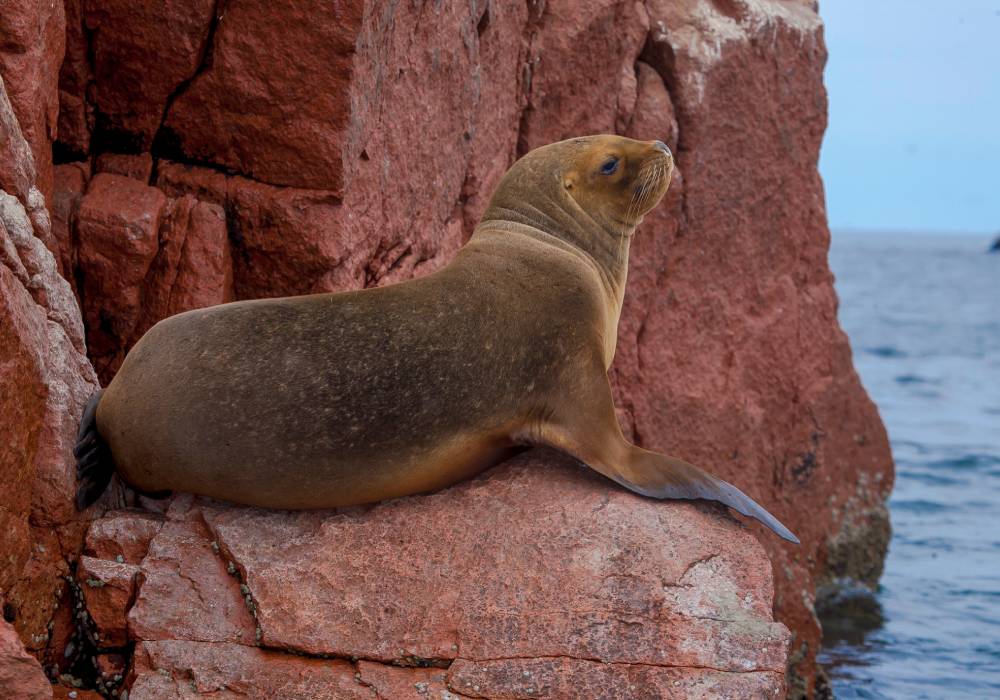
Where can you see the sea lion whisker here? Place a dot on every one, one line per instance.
(639, 194)
(649, 174)
(633, 205)
(644, 190)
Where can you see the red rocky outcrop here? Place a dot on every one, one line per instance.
(261, 51)
(143, 257)
(141, 52)
(32, 43)
(215, 150)
(187, 669)
(537, 580)
(20, 673)
(45, 379)
(108, 589)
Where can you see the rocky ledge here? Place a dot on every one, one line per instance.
(540, 579)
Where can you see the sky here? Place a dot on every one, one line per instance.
(913, 142)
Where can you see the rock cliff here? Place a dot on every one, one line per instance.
(160, 157)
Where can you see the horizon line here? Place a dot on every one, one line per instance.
(834, 230)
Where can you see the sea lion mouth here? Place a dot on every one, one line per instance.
(650, 183)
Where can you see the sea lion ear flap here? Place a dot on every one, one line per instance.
(569, 180)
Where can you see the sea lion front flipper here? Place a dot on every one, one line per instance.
(586, 427)
(659, 476)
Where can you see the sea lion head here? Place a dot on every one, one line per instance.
(590, 191)
(617, 180)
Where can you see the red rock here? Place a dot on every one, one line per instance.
(38, 214)
(273, 263)
(653, 116)
(457, 73)
(283, 236)
(539, 559)
(191, 669)
(194, 266)
(388, 228)
(62, 628)
(45, 381)
(583, 678)
(22, 403)
(494, 102)
(118, 227)
(17, 165)
(30, 54)
(69, 184)
(109, 665)
(21, 675)
(177, 179)
(405, 683)
(37, 591)
(152, 256)
(122, 536)
(138, 167)
(38, 270)
(76, 117)
(755, 382)
(108, 589)
(142, 52)
(185, 591)
(573, 42)
(273, 104)
(44, 376)
(205, 270)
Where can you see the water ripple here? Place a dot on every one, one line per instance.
(923, 317)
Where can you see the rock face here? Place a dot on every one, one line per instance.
(537, 580)
(209, 151)
(32, 43)
(141, 53)
(45, 379)
(143, 257)
(20, 673)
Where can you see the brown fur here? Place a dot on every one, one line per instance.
(339, 399)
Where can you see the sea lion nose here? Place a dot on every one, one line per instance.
(663, 147)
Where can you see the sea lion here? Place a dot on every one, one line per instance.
(338, 399)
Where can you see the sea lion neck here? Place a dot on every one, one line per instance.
(538, 207)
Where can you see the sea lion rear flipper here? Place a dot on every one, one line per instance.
(94, 464)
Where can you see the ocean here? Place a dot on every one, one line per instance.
(923, 316)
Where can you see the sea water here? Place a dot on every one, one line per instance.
(923, 316)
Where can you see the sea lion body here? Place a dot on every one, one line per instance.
(335, 399)
(348, 398)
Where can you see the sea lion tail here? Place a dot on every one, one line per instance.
(94, 463)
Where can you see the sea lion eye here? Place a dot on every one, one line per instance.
(610, 166)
